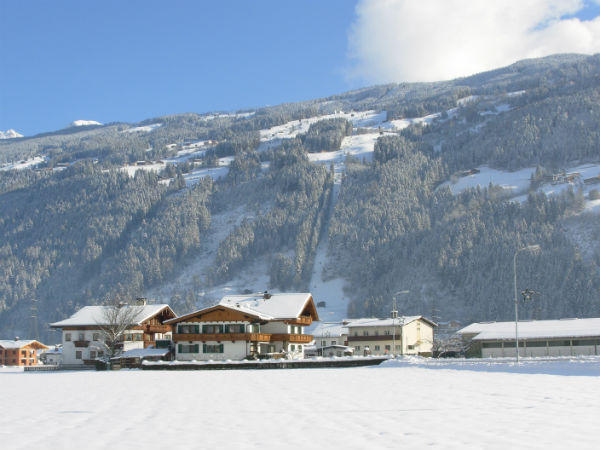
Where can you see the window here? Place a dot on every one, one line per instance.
(357, 347)
(323, 343)
(292, 347)
(78, 354)
(356, 333)
(582, 342)
(365, 333)
(92, 354)
(100, 353)
(492, 345)
(138, 337)
(333, 342)
(398, 348)
(387, 332)
(212, 348)
(234, 328)
(410, 347)
(188, 348)
(68, 337)
(388, 347)
(559, 343)
(536, 344)
(96, 336)
(376, 332)
(82, 336)
(188, 329)
(212, 329)
(377, 348)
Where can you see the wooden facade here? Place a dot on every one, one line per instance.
(207, 334)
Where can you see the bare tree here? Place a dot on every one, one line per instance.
(116, 318)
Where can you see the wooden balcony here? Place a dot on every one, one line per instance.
(262, 337)
(302, 320)
(295, 338)
(81, 344)
(156, 328)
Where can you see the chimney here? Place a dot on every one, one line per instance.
(141, 301)
(266, 295)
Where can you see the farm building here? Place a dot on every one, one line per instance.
(564, 337)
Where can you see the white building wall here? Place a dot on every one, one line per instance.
(231, 350)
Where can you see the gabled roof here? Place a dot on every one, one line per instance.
(275, 307)
(400, 321)
(94, 315)
(285, 306)
(532, 329)
(9, 344)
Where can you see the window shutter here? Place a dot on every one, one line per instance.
(226, 328)
(179, 348)
(196, 348)
(203, 348)
(196, 329)
(221, 348)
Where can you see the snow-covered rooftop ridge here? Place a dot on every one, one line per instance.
(374, 322)
(83, 123)
(10, 134)
(10, 344)
(95, 315)
(531, 329)
(271, 307)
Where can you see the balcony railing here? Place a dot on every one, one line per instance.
(296, 338)
(262, 337)
(81, 343)
(302, 320)
(157, 328)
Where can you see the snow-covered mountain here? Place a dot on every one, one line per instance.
(10, 134)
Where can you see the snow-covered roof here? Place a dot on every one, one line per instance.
(281, 306)
(374, 322)
(95, 315)
(9, 344)
(276, 306)
(143, 353)
(533, 329)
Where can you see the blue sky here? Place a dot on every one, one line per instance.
(132, 60)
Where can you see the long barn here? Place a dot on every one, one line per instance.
(564, 337)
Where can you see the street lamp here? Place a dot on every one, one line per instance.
(394, 316)
(530, 248)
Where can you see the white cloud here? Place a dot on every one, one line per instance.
(428, 40)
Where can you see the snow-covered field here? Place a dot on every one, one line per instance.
(407, 404)
(23, 164)
(142, 129)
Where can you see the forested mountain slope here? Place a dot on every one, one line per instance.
(429, 187)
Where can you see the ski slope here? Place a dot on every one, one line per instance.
(400, 404)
